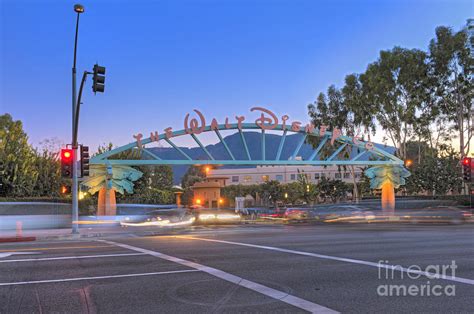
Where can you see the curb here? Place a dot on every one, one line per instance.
(124, 233)
(17, 239)
(104, 235)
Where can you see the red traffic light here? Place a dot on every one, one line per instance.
(467, 169)
(67, 160)
(66, 154)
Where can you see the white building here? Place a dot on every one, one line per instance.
(283, 174)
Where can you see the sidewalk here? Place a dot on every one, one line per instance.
(84, 232)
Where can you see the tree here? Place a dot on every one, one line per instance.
(293, 192)
(48, 181)
(436, 174)
(162, 177)
(417, 151)
(361, 117)
(18, 159)
(156, 177)
(342, 109)
(193, 174)
(334, 190)
(271, 192)
(451, 70)
(154, 196)
(396, 89)
(305, 189)
(329, 110)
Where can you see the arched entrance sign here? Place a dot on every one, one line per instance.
(266, 122)
(387, 172)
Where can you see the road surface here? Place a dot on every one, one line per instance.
(287, 269)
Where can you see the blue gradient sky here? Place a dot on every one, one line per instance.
(165, 58)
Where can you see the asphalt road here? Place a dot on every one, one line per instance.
(318, 268)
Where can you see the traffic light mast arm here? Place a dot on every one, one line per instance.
(78, 106)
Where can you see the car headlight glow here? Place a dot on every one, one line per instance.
(228, 216)
(207, 216)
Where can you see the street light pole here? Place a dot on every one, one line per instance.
(75, 206)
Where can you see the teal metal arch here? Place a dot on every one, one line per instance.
(380, 157)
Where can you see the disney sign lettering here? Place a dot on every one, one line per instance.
(266, 121)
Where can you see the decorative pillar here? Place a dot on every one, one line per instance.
(178, 198)
(107, 181)
(388, 199)
(107, 204)
(101, 202)
(110, 203)
(387, 178)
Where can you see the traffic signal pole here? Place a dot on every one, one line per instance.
(74, 189)
(97, 86)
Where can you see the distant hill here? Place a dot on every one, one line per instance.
(272, 141)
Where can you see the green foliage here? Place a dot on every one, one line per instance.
(436, 175)
(421, 99)
(453, 90)
(48, 181)
(157, 177)
(333, 190)
(152, 196)
(232, 191)
(410, 93)
(299, 192)
(26, 172)
(306, 191)
(193, 174)
(364, 186)
(18, 159)
(341, 109)
(270, 192)
(162, 177)
(396, 90)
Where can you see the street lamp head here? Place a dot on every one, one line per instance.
(79, 8)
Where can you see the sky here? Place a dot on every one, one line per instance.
(166, 58)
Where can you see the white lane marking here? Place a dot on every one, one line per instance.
(341, 259)
(68, 257)
(270, 292)
(8, 254)
(97, 277)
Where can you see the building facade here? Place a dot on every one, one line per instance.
(207, 193)
(283, 174)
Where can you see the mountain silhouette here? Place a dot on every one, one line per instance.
(234, 142)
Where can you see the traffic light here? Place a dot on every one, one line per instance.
(85, 161)
(67, 159)
(466, 169)
(98, 79)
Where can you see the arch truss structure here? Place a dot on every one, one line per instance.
(329, 149)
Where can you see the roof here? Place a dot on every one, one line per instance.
(202, 185)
